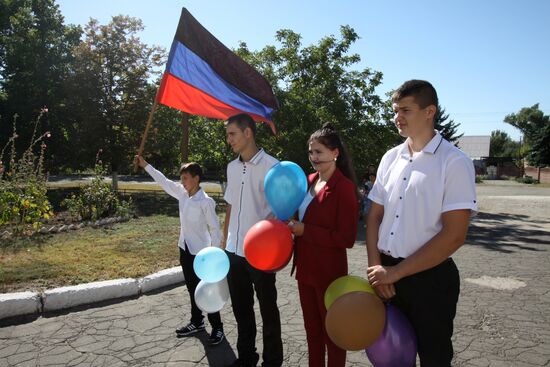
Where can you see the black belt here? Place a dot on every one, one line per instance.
(391, 261)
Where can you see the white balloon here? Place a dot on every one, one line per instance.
(211, 297)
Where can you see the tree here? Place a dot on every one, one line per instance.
(316, 84)
(503, 146)
(35, 54)
(535, 127)
(447, 129)
(111, 92)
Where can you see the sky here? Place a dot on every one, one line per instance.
(486, 58)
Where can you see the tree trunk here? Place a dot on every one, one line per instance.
(115, 181)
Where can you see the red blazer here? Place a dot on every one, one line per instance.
(330, 227)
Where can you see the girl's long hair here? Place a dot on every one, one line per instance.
(329, 137)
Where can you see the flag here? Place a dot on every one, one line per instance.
(203, 77)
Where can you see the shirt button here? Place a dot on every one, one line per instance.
(400, 198)
(410, 160)
(397, 216)
(391, 233)
(404, 178)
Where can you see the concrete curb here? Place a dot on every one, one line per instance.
(66, 297)
(27, 303)
(21, 303)
(161, 279)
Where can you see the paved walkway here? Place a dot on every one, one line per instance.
(503, 316)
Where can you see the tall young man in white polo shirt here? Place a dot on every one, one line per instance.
(422, 201)
(246, 205)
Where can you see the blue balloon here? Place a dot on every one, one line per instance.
(397, 344)
(211, 264)
(285, 187)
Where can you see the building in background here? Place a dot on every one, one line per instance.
(476, 147)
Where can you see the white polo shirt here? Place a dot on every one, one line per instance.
(199, 225)
(245, 194)
(416, 190)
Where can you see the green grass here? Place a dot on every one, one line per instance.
(133, 249)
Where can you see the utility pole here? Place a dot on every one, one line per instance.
(522, 163)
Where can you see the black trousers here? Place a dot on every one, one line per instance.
(429, 299)
(192, 280)
(243, 279)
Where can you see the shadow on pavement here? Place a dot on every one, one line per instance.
(217, 355)
(495, 232)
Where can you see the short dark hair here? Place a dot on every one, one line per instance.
(193, 168)
(423, 92)
(243, 120)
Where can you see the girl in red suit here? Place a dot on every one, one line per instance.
(326, 227)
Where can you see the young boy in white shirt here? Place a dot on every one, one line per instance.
(199, 227)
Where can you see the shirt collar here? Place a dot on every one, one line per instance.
(257, 157)
(198, 195)
(430, 148)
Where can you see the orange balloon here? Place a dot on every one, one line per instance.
(268, 245)
(355, 320)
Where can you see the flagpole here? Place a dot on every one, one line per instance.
(184, 146)
(147, 126)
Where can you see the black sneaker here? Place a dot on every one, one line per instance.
(216, 337)
(190, 329)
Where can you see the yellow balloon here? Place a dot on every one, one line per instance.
(346, 284)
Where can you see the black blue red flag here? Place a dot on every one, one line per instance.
(203, 77)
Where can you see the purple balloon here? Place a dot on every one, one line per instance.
(396, 346)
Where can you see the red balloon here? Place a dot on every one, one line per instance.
(285, 263)
(268, 245)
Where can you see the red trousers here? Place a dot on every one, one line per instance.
(312, 300)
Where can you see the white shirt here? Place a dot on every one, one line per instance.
(199, 225)
(245, 194)
(416, 190)
(303, 207)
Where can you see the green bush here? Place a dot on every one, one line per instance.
(479, 179)
(527, 180)
(97, 199)
(23, 201)
(23, 205)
